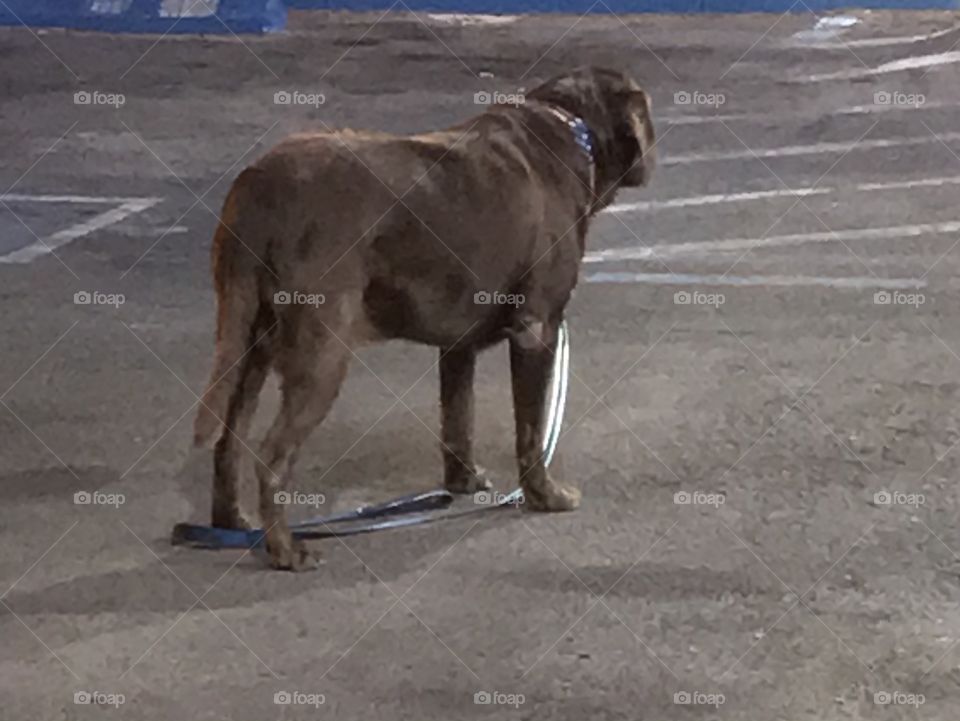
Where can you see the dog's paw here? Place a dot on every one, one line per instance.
(297, 558)
(289, 554)
(469, 482)
(551, 497)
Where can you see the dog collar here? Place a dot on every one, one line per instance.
(582, 135)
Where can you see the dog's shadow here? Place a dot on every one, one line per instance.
(52, 483)
(237, 579)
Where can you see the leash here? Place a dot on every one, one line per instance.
(409, 510)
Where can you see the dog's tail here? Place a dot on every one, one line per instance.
(236, 280)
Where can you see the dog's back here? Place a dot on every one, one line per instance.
(421, 224)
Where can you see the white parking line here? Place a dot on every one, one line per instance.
(895, 66)
(854, 283)
(905, 184)
(74, 199)
(714, 199)
(872, 109)
(472, 19)
(877, 42)
(651, 205)
(814, 149)
(59, 239)
(663, 250)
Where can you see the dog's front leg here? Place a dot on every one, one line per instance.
(460, 475)
(532, 346)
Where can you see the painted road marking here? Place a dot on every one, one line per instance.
(472, 19)
(871, 109)
(714, 199)
(129, 207)
(662, 250)
(854, 283)
(903, 184)
(911, 63)
(75, 199)
(650, 205)
(825, 29)
(879, 42)
(787, 151)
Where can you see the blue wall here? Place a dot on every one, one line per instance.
(620, 6)
(256, 16)
(239, 16)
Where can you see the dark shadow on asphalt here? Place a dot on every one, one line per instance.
(354, 562)
(56, 482)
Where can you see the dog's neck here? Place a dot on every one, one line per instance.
(582, 136)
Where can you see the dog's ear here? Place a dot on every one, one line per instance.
(640, 119)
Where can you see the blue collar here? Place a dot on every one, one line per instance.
(582, 135)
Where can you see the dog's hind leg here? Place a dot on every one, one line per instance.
(230, 449)
(460, 475)
(531, 361)
(312, 366)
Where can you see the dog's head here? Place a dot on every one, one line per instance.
(617, 112)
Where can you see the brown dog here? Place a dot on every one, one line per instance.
(334, 240)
